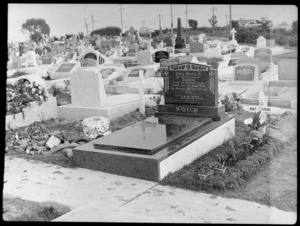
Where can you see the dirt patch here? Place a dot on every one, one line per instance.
(16, 209)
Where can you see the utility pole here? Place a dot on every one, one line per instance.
(229, 18)
(121, 19)
(86, 26)
(226, 19)
(171, 21)
(213, 10)
(143, 23)
(92, 22)
(160, 32)
(186, 13)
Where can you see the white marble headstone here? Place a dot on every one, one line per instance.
(261, 42)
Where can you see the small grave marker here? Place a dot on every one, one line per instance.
(161, 55)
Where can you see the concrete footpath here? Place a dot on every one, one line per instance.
(101, 197)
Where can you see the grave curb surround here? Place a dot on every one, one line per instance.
(155, 168)
(34, 113)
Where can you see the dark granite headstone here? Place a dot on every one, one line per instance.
(179, 41)
(191, 84)
(161, 55)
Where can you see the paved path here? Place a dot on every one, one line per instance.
(103, 197)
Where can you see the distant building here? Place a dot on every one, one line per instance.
(250, 22)
(284, 25)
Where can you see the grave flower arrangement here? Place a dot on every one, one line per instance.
(205, 169)
(20, 94)
(257, 123)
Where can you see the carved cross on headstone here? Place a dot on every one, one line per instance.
(233, 31)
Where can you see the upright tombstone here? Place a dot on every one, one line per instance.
(191, 89)
(161, 55)
(233, 31)
(168, 41)
(213, 53)
(201, 38)
(270, 43)
(47, 59)
(144, 57)
(179, 41)
(250, 61)
(287, 69)
(261, 42)
(246, 72)
(197, 47)
(265, 56)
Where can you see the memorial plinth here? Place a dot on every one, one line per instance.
(154, 147)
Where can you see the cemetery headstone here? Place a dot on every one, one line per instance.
(250, 61)
(197, 47)
(214, 53)
(64, 69)
(233, 31)
(265, 56)
(201, 38)
(168, 42)
(161, 55)
(87, 89)
(179, 41)
(287, 69)
(270, 43)
(144, 57)
(47, 59)
(261, 42)
(245, 72)
(191, 89)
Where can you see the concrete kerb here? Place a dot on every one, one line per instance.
(114, 198)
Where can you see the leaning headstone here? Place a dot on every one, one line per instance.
(161, 55)
(261, 42)
(144, 57)
(288, 69)
(245, 72)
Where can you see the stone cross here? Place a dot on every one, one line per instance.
(233, 31)
(141, 85)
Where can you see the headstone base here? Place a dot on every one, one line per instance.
(155, 167)
(114, 107)
(182, 50)
(215, 113)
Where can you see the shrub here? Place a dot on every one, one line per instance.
(247, 35)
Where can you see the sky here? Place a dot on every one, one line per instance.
(70, 18)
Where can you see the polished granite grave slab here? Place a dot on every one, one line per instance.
(201, 136)
(151, 135)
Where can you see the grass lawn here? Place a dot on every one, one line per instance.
(16, 209)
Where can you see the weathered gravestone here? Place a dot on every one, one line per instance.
(270, 43)
(288, 69)
(168, 42)
(197, 47)
(191, 89)
(144, 57)
(265, 56)
(261, 42)
(250, 61)
(47, 59)
(246, 72)
(161, 55)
